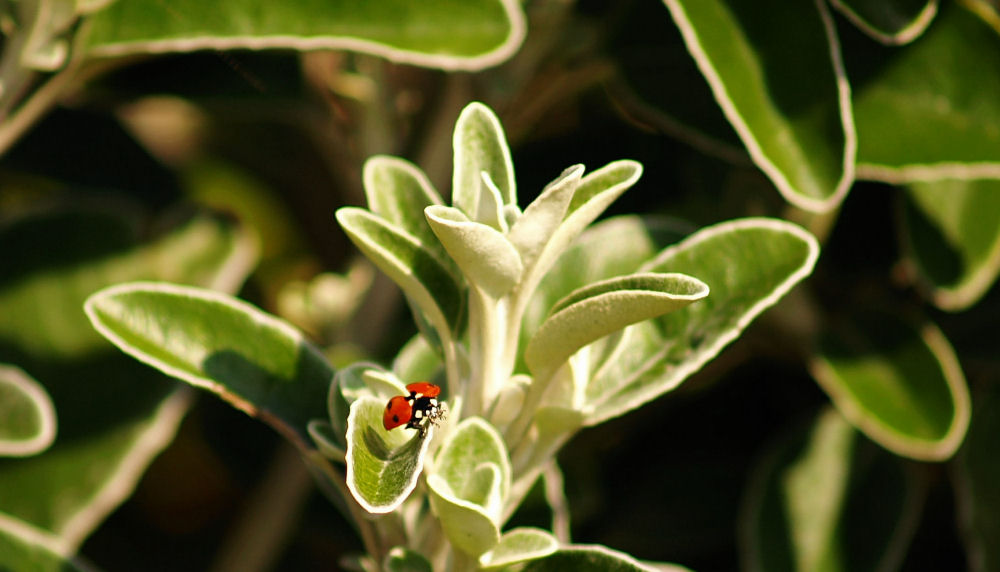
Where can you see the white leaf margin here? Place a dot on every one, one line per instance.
(784, 186)
(500, 54)
(46, 435)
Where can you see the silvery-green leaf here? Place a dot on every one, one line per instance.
(952, 235)
(485, 256)
(479, 146)
(749, 264)
(600, 309)
(27, 416)
(382, 466)
(398, 191)
(326, 439)
(256, 362)
(472, 443)
(898, 382)
(467, 525)
(416, 360)
(519, 545)
(539, 221)
(421, 276)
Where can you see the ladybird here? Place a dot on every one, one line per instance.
(418, 410)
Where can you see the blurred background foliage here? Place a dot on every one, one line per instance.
(210, 143)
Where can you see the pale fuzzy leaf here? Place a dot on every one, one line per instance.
(479, 146)
(519, 545)
(749, 264)
(952, 235)
(256, 362)
(418, 273)
(790, 106)
(398, 191)
(899, 382)
(327, 442)
(472, 443)
(487, 259)
(469, 36)
(382, 466)
(467, 525)
(603, 308)
(536, 225)
(27, 416)
(491, 207)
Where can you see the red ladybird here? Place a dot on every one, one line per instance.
(419, 410)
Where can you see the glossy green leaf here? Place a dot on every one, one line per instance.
(889, 21)
(256, 362)
(827, 499)
(24, 548)
(929, 110)
(519, 545)
(952, 234)
(781, 84)
(27, 416)
(599, 309)
(487, 259)
(469, 35)
(976, 474)
(588, 558)
(420, 275)
(749, 264)
(480, 146)
(382, 466)
(899, 383)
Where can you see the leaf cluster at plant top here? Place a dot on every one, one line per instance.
(534, 325)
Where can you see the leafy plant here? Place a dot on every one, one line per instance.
(529, 350)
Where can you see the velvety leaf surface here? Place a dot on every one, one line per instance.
(827, 499)
(748, 264)
(27, 416)
(519, 545)
(487, 259)
(976, 473)
(952, 231)
(602, 308)
(929, 110)
(889, 21)
(480, 146)
(382, 466)
(898, 382)
(257, 363)
(788, 104)
(421, 276)
(465, 35)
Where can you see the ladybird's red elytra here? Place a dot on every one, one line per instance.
(418, 410)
